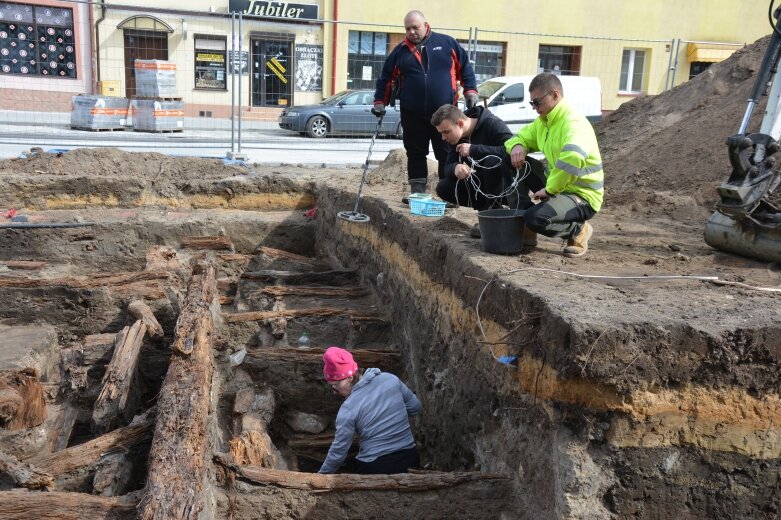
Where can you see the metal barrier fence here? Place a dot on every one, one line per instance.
(88, 73)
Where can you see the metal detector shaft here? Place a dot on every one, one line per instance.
(366, 165)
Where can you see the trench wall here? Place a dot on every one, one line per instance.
(580, 442)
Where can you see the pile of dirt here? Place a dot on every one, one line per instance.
(665, 154)
(392, 171)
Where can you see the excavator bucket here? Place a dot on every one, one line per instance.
(747, 236)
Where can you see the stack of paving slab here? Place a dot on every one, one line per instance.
(155, 78)
(150, 115)
(95, 112)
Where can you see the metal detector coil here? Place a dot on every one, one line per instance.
(355, 215)
(352, 216)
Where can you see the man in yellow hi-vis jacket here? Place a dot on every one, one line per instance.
(574, 184)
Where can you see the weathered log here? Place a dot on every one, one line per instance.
(233, 257)
(25, 265)
(116, 399)
(313, 290)
(278, 323)
(299, 313)
(385, 360)
(177, 458)
(149, 290)
(403, 482)
(89, 453)
(337, 278)
(215, 243)
(22, 402)
(24, 475)
(161, 259)
(113, 474)
(287, 255)
(227, 300)
(64, 506)
(200, 293)
(62, 430)
(141, 311)
(90, 282)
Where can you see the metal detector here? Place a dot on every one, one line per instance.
(354, 215)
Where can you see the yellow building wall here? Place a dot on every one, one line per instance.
(181, 50)
(602, 28)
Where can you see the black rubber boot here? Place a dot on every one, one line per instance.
(415, 186)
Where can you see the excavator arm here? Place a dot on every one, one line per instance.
(744, 222)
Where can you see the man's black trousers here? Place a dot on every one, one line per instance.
(418, 133)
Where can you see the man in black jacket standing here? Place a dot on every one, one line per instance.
(478, 169)
(425, 68)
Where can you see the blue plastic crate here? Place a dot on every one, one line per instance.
(427, 208)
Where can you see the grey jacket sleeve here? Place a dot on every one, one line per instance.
(410, 400)
(345, 431)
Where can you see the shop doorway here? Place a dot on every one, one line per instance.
(272, 73)
(142, 45)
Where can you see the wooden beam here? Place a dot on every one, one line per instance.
(287, 255)
(64, 506)
(22, 402)
(89, 453)
(385, 360)
(149, 290)
(141, 311)
(25, 265)
(337, 278)
(214, 243)
(345, 482)
(300, 313)
(200, 293)
(314, 290)
(90, 282)
(177, 458)
(117, 399)
(24, 475)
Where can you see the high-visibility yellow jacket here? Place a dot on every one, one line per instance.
(567, 140)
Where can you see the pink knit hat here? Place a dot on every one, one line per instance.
(338, 364)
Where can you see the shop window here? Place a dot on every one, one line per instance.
(697, 67)
(559, 59)
(632, 71)
(487, 59)
(37, 41)
(210, 62)
(366, 53)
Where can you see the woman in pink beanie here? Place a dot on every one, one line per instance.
(377, 406)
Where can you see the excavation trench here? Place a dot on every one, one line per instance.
(543, 396)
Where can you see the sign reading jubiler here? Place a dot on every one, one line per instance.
(276, 10)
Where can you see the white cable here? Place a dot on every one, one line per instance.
(614, 277)
(474, 182)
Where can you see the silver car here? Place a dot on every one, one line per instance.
(345, 113)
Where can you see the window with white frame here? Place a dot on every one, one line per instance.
(632, 71)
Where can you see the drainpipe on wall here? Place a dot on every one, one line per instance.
(97, 42)
(333, 48)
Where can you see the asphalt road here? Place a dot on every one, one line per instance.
(261, 142)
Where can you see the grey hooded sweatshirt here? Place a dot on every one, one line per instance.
(377, 409)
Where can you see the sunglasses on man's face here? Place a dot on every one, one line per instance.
(536, 101)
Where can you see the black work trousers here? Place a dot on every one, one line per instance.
(397, 462)
(560, 216)
(418, 133)
(464, 192)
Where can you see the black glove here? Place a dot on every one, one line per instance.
(378, 109)
(470, 99)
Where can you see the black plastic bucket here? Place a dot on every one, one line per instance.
(501, 231)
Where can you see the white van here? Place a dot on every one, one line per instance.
(508, 98)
